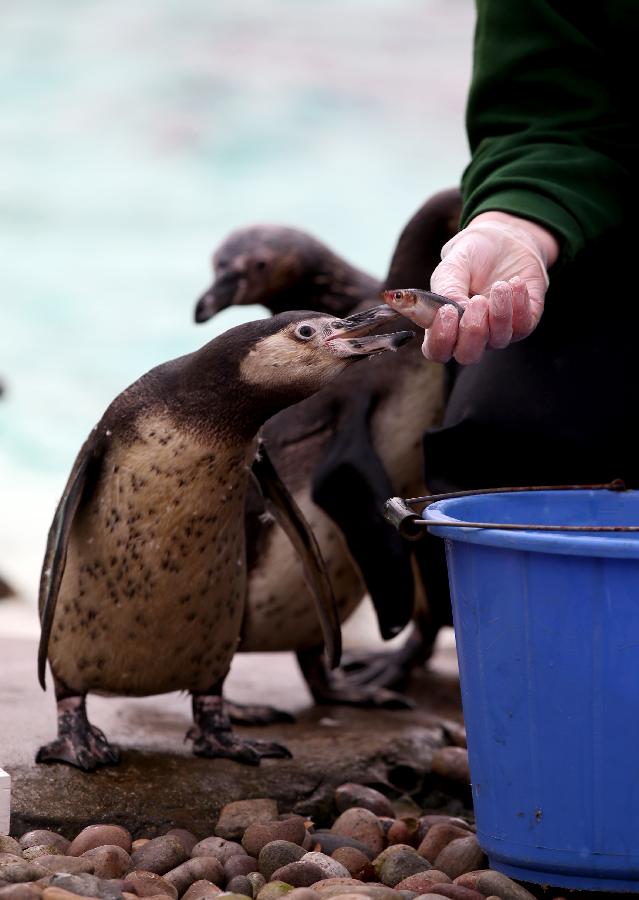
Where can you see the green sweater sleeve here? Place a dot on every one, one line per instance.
(548, 142)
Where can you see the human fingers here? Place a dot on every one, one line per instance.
(451, 278)
(441, 337)
(523, 319)
(473, 331)
(500, 315)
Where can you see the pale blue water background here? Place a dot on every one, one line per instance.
(134, 135)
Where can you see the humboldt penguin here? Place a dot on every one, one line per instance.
(144, 579)
(340, 453)
(284, 269)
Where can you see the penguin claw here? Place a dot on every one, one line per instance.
(255, 714)
(226, 745)
(87, 752)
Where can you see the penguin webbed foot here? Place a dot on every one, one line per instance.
(213, 736)
(255, 714)
(336, 688)
(388, 669)
(78, 742)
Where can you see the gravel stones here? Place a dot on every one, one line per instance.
(328, 843)
(490, 882)
(67, 865)
(362, 825)
(452, 763)
(459, 856)
(257, 836)
(14, 873)
(424, 882)
(160, 855)
(188, 839)
(241, 865)
(41, 836)
(26, 891)
(352, 795)
(149, 884)
(97, 836)
(41, 850)
(109, 861)
(331, 867)
(437, 837)
(299, 874)
(9, 845)
(303, 894)
(219, 848)
(274, 890)
(357, 863)
(276, 854)
(236, 817)
(457, 892)
(199, 868)
(240, 885)
(86, 886)
(398, 866)
(201, 890)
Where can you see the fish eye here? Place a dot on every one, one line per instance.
(397, 295)
(305, 332)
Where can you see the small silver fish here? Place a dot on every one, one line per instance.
(420, 306)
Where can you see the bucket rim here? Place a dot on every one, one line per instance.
(564, 543)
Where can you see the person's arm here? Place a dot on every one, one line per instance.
(549, 168)
(547, 141)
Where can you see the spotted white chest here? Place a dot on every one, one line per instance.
(153, 592)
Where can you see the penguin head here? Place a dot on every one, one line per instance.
(260, 264)
(303, 351)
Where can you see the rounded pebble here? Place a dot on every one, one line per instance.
(218, 847)
(239, 865)
(299, 874)
(236, 817)
(334, 887)
(331, 867)
(98, 835)
(23, 871)
(41, 836)
(362, 825)
(6, 858)
(437, 838)
(199, 868)
(147, 884)
(273, 890)
(491, 882)
(399, 866)
(258, 836)
(451, 762)
(160, 855)
(328, 843)
(240, 885)
(358, 795)
(109, 861)
(457, 892)
(403, 831)
(357, 863)
(139, 842)
(86, 885)
(460, 856)
(257, 881)
(42, 850)
(10, 845)
(201, 890)
(188, 838)
(28, 891)
(303, 894)
(58, 893)
(276, 854)
(66, 865)
(423, 882)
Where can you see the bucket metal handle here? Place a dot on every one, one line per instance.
(412, 526)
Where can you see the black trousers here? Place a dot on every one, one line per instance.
(560, 407)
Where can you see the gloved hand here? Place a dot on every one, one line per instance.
(496, 267)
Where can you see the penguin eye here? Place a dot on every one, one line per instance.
(305, 332)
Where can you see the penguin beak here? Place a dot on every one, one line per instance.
(353, 337)
(224, 292)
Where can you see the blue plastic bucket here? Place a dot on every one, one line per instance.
(547, 629)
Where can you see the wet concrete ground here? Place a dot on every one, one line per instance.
(159, 783)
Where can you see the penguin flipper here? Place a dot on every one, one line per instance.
(55, 556)
(290, 517)
(351, 485)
